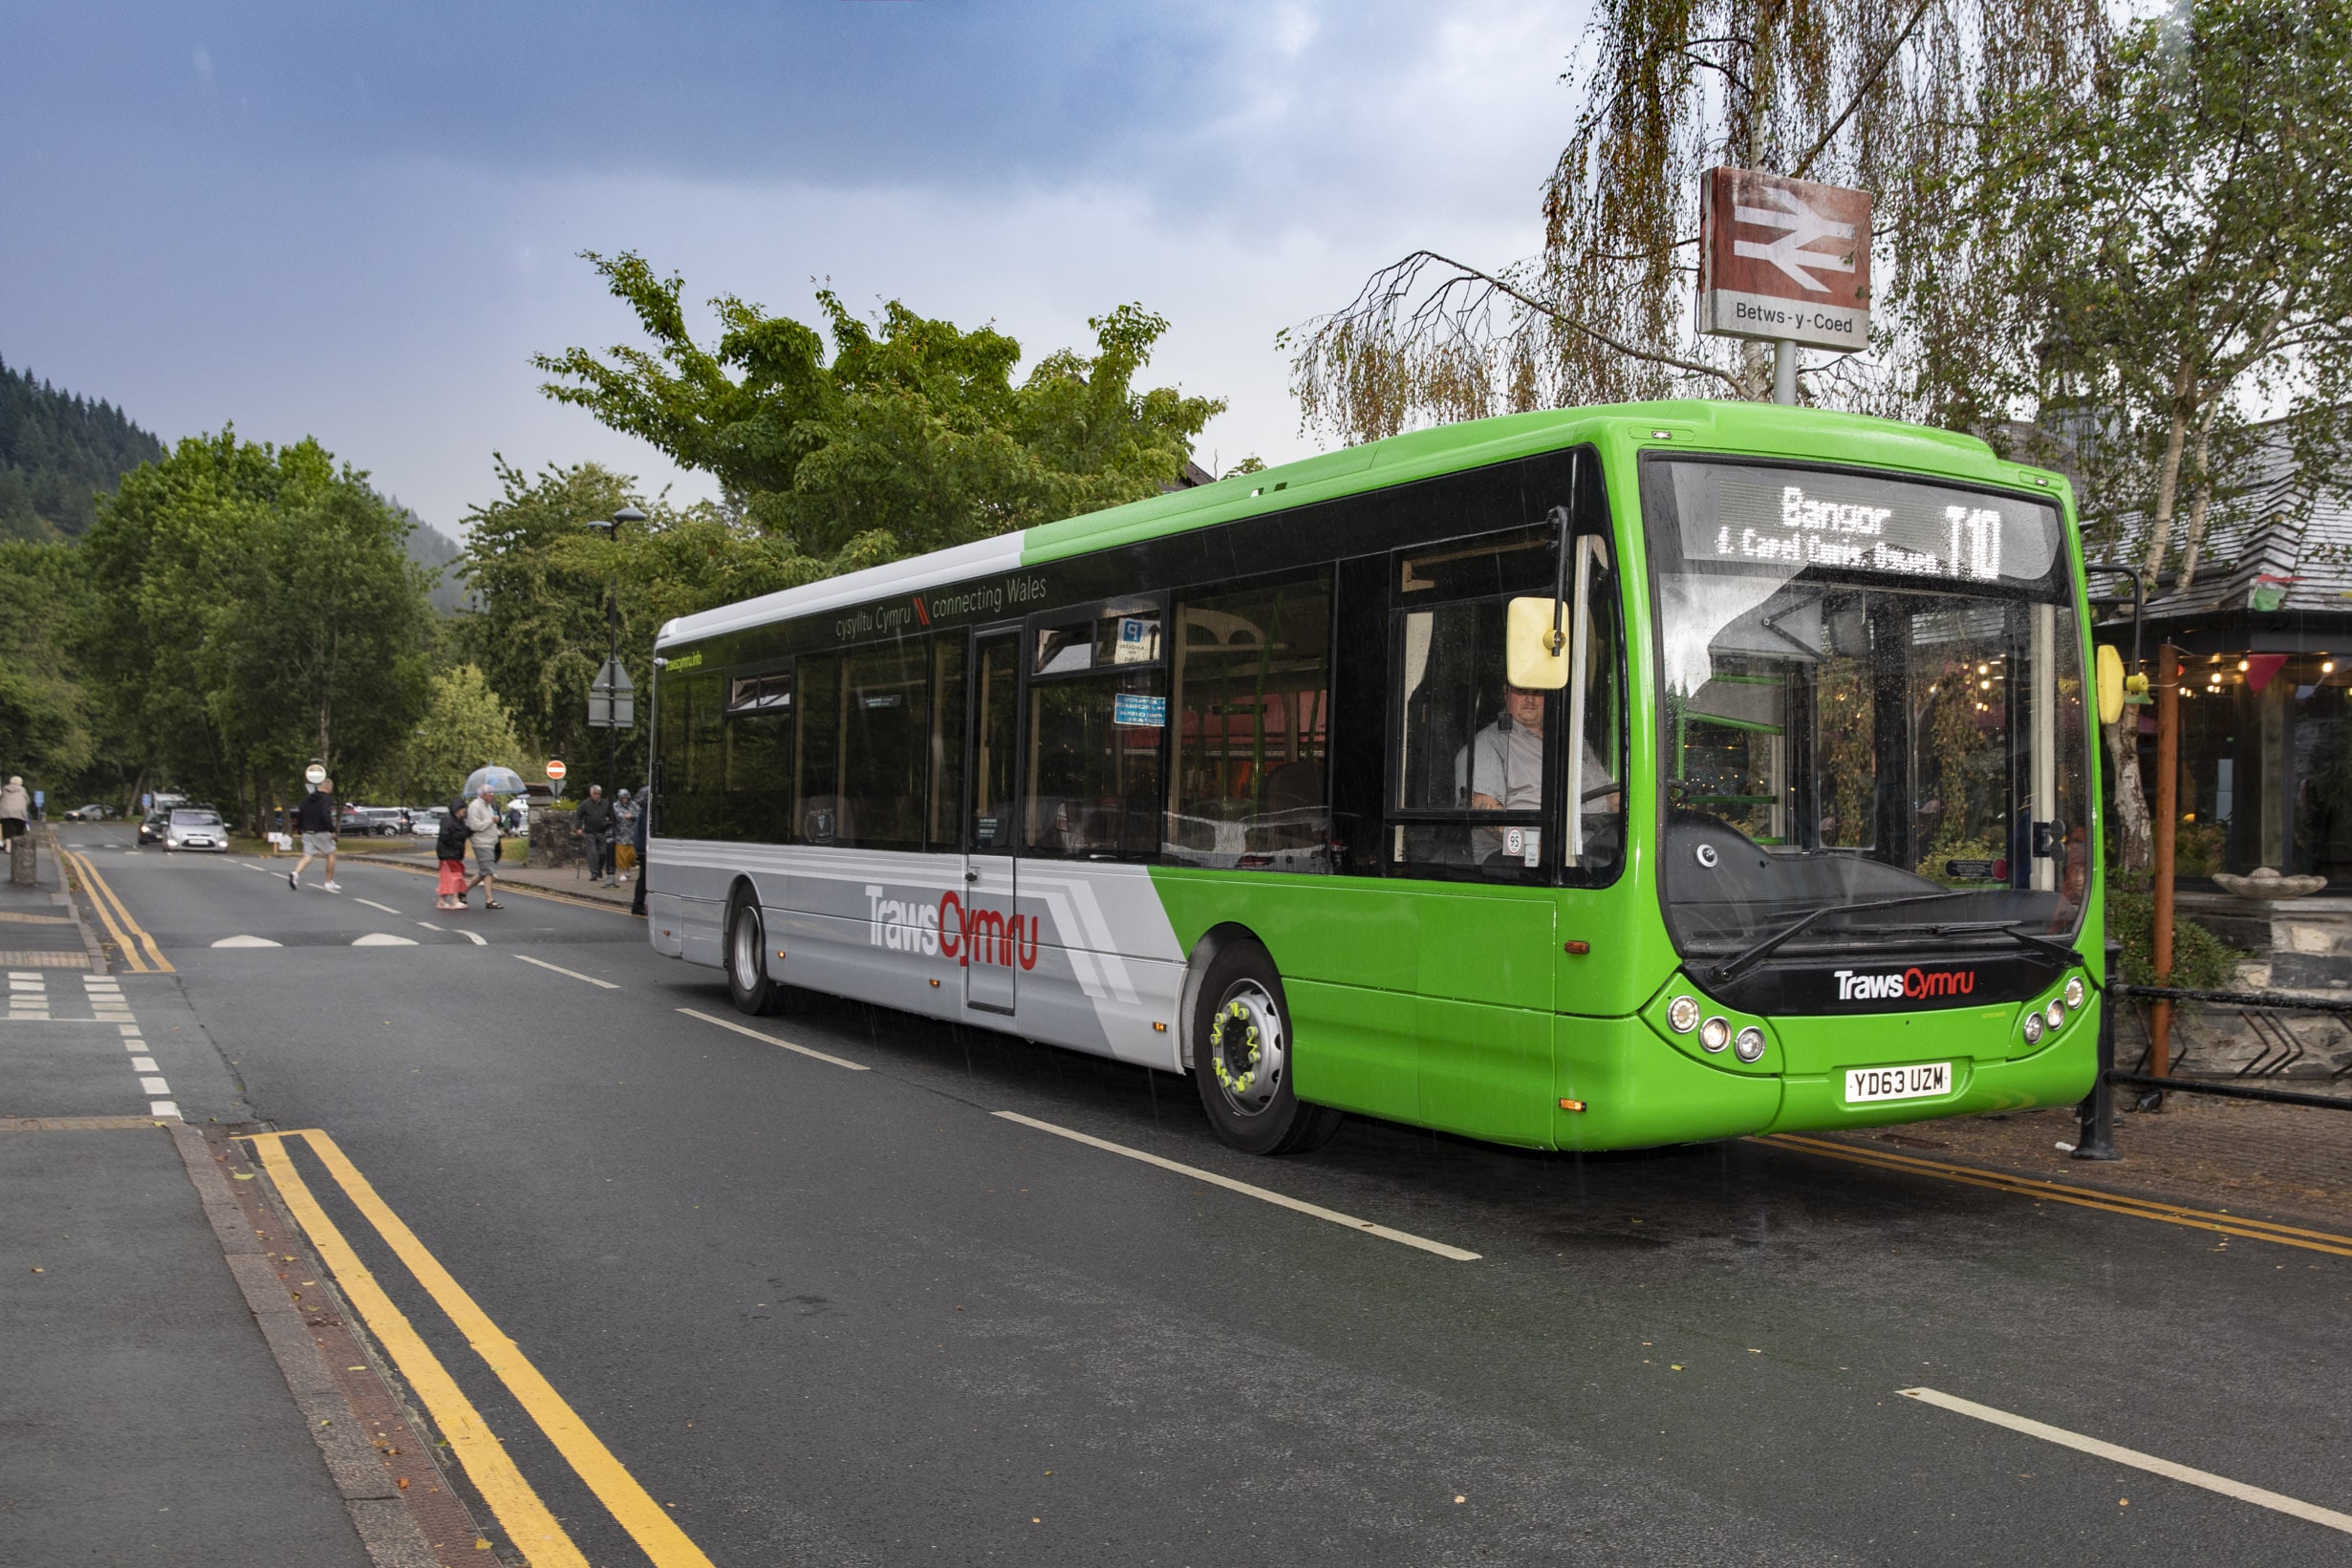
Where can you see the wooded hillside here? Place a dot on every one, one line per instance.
(57, 451)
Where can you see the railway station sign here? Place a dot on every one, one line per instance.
(1783, 260)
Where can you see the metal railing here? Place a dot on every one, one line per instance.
(2281, 1050)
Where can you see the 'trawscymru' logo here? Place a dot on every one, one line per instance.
(951, 928)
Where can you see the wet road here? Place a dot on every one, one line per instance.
(826, 1314)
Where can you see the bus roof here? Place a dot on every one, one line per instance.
(1706, 424)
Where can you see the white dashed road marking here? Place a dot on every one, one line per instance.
(382, 938)
(247, 941)
(372, 904)
(766, 1038)
(558, 968)
(1262, 1194)
(2259, 1496)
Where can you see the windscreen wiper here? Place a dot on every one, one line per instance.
(1748, 957)
(2048, 947)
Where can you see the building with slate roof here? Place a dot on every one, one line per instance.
(2266, 710)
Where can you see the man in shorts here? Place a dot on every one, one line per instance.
(314, 821)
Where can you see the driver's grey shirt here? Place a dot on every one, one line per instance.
(1507, 764)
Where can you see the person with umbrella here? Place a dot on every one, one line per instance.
(482, 826)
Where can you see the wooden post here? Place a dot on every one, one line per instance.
(2167, 822)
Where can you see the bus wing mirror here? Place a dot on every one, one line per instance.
(2110, 684)
(1536, 651)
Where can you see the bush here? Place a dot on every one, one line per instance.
(2201, 962)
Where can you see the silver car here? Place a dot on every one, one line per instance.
(195, 829)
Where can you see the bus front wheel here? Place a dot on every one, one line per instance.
(1242, 1058)
(749, 983)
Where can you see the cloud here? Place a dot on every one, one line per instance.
(377, 265)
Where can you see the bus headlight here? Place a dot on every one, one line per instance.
(1751, 1043)
(1683, 1014)
(2054, 1013)
(1715, 1033)
(2074, 992)
(2032, 1028)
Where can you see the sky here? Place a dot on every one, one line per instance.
(359, 222)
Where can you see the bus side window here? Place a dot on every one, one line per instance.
(996, 716)
(1475, 772)
(885, 726)
(946, 831)
(817, 774)
(1251, 718)
(758, 756)
(1097, 709)
(1596, 717)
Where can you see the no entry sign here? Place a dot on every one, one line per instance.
(556, 773)
(1784, 259)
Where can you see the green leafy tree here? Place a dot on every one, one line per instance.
(253, 607)
(2178, 243)
(539, 569)
(914, 430)
(1892, 98)
(464, 726)
(48, 730)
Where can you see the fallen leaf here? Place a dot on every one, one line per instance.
(40, 1271)
(401, 1483)
(1677, 1365)
(1459, 1498)
(241, 1176)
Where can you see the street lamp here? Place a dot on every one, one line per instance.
(610, 677)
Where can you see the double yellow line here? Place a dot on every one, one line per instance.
(137, 949)
(526, 1519)
(2084, 1198)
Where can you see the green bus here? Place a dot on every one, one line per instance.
(1576, 780)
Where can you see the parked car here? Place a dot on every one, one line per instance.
(193, 828)
(424, 820)
(92, 812)
(373, 821)
(151, 829)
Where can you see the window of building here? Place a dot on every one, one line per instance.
(1252, 678)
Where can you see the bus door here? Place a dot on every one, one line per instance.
(984, 931)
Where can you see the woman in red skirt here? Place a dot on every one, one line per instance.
(449, 847)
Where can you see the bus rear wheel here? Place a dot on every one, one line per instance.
(749, 983)
(1242, 1058)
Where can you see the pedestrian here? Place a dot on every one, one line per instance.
(595, 826)
(644, 822)
(481, 827)
(15, 809)
(449, 848)
(315, 820)
(624, 831)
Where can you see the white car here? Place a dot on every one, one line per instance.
(195, 829)
(424, 820)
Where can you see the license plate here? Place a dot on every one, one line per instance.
(1921, 1081)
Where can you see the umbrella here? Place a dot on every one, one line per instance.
(503, 781)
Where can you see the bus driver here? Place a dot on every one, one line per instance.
(1502, 766)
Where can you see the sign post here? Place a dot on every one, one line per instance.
(1785, 262)
(612, 707)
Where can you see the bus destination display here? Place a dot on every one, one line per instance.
(1859, 523)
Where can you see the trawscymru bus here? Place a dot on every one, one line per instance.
(1579, 779)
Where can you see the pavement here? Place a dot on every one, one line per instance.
(651, 1282)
